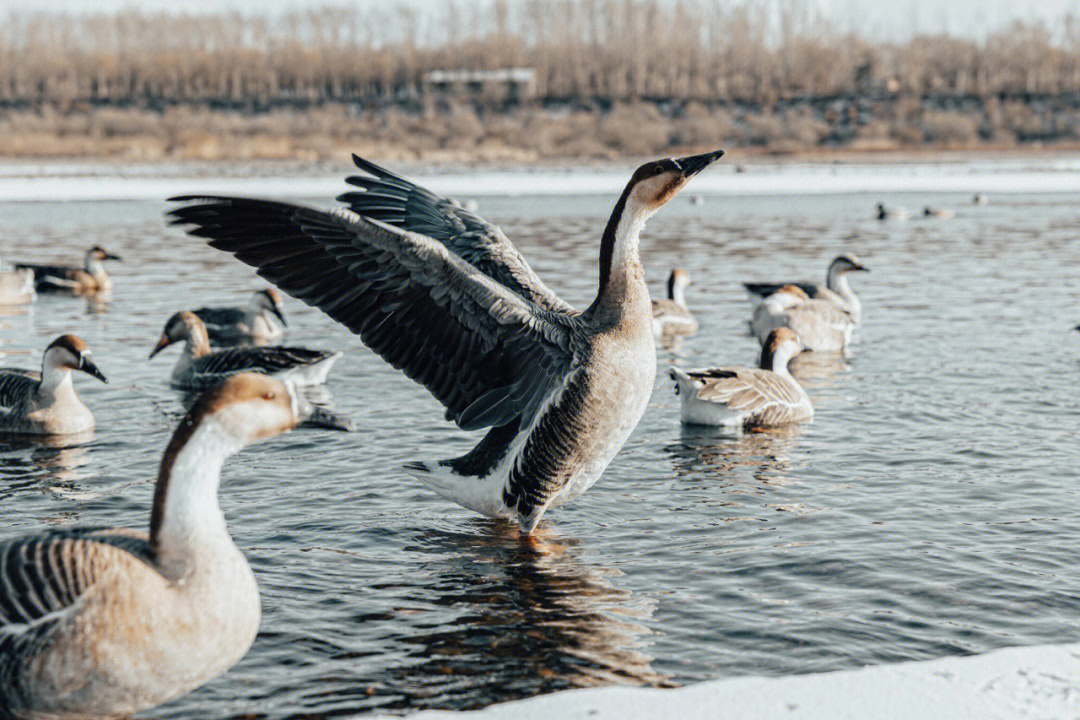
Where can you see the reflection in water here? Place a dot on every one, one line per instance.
(535, 618)
(54, 462)
(710, 452)
(809, 368)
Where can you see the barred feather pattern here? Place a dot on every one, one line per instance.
(42, 577)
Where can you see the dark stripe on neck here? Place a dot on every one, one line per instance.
(180, 438)
(767, 354)
(607, 244)
(671, 287)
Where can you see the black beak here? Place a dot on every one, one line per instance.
(162, 343)
(110, 256)
(862, 268)
(88, 367)
(694, 164)
(280, 315)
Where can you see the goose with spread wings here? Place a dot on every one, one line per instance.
(445, 297)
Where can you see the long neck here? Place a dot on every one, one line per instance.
(186, 520)
(619, 263)
(94, 266)
(55, 380)
(676, 292)
(197, 342)
(838, 283)
(777, 360)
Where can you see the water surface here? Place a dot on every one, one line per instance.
(930, 509)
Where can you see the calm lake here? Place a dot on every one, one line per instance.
(930, 509)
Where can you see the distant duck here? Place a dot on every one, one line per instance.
(199, 367)
(898, 213)
(835, 289)
(99, 622)
(765, 396)
(821, 326)
(257, 323)
(979, 199)
(45, 403)
(16, 287)
(88, 279)
(671, 316)
(697, 200)
(937, 212)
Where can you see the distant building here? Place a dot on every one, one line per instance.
(507, 84)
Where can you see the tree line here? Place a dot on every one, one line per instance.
(608, 51)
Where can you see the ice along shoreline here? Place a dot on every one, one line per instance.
(1024, 683)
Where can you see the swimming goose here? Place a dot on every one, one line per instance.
(16, 287)
(257, 323)
(765, 396)
(885, 213)
(88, 279)
(199, 367)
(443, 295)
(937, 212)
(671, 316)
(103, 622)
(45, 403)
(822, 326)
(835, 289)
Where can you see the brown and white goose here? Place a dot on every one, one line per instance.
(443, 295)
(261, 322)
(45, 403)
(86, 280)
(735, 397)
(106, 622)
(199, 367)
(671, 317)
(822, 326)
(836, 288)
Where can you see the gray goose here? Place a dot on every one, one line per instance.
(671, 317)
(199, 367)
(45, 403)
(17, 287)
(443, 295)
(261, 322)
(822, 326)
(836, 288)
(765, 396)
(101, 622)
(86, 280)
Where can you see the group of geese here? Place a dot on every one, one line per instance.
(106, 622)
(788, 318)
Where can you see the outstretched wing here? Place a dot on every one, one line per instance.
(392, 199)
(484, 352)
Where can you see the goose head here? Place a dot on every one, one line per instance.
(780, 346)
(655, 183)
(183, 326)
(70, 352)
(846, 263)
(270, 300)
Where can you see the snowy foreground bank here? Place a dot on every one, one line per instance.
(1033, 682)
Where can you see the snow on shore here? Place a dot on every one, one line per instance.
(1033, 683)
(86, 181)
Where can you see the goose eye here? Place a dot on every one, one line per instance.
(268, 395)
(659, 169)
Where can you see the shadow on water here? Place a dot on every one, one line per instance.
(537, 618)
(528, 617)
(716, 454)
